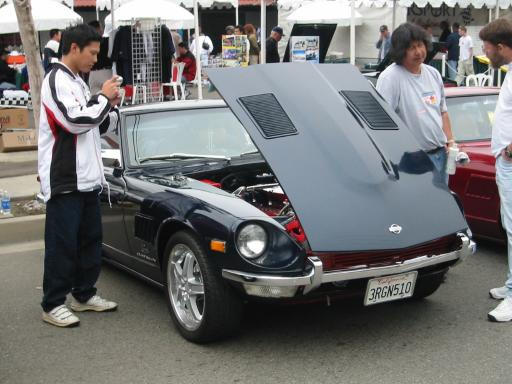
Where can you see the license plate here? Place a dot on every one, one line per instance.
(389, 288)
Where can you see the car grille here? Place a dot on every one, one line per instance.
(347, 260)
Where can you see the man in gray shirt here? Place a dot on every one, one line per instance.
(416, 92)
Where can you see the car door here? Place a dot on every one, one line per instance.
(475, 183)
(112, 198)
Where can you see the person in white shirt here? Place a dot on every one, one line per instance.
(205, 47)
(497, 39)
(466, 55)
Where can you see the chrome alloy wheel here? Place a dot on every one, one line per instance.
(185, 285)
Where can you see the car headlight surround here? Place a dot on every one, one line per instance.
(252, 241)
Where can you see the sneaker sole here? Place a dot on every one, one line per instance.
(84, 308)
(495, 297)
(61, 325)
(495, 320)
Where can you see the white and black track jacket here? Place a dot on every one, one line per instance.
(69, 148)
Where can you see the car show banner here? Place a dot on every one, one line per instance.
(305, 48)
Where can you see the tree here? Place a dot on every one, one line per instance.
(30, 43)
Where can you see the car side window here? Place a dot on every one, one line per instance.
(472, 116)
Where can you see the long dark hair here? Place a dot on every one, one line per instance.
(403, 37)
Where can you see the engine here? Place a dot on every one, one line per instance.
(270, 199)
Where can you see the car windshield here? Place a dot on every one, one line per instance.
(208, 134)
(472, 116)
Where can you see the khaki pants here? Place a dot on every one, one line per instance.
(254, 59)
(465, 68)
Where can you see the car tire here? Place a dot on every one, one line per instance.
(220, 308)
(427, 285)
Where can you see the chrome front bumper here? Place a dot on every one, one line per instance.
(284, 286)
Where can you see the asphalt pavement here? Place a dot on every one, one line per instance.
(444, 339)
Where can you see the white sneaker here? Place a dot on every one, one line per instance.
(498, 293)
(503, 311)
(95, 303)
(61, 317)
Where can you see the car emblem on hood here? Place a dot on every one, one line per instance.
(395, 228)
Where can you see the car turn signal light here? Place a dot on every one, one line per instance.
(218, 246)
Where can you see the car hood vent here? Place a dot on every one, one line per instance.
(269, 116)
(369, 109)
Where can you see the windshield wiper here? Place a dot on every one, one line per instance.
(182, 156)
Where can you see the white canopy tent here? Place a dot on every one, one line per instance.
(328, 12)
(47, 14)
(171, 14)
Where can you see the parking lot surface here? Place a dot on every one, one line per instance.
(443, 339)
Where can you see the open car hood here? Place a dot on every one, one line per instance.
(349, 166)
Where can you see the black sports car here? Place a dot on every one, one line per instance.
(303, 184)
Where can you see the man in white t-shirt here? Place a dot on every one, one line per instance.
(466, 55)
(497, 39)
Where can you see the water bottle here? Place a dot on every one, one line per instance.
(6, 203)
(451, 163)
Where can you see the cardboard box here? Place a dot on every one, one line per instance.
(12, 118)
(18, 140)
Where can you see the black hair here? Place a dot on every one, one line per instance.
(54, 32)
(183, 45)
(81, 34)
(95, 24)
(455, 25)
(403, 37)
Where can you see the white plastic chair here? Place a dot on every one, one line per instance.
(479, 80)
(176, 75)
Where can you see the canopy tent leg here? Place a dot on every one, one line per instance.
(236, 14)
(112, 15)
(497, 9)
(352, 33)
(263, 36)
(393, 22)
(198, 53)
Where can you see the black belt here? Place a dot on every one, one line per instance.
(432, 151)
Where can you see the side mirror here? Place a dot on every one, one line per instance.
(117, 172)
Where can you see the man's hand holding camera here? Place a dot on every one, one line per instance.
(111, 89)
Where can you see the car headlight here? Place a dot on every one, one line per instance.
(252, 241)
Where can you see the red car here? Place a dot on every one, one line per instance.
(471, 112)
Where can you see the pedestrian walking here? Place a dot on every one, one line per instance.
(71, 173)
(271, 44)
(465, 55)
(205, 47)
(254, 48)
(384, 42)
(497, 45)
(416, 92)
(51, 50)
(452, 44)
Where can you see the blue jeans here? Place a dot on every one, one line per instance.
(504, 182)
(72, 259)
(452, 69)
(439, 158)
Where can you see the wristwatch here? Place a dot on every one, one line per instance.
(508, 153)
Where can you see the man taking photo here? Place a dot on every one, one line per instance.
(415, 91)
(71, 173)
